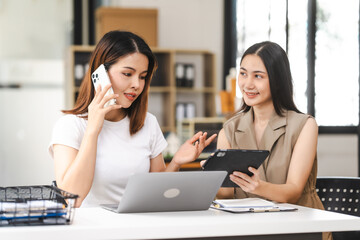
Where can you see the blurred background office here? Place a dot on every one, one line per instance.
(321, 39)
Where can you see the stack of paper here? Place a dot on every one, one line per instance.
(33, 209)
(248, 205)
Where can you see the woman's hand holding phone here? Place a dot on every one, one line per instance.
(101, 77)
(97, 109)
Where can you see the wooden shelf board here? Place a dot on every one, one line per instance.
(195, 90)
(159, 89)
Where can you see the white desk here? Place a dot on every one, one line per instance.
(98, 223)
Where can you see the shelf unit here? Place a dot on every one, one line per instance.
(164, 94)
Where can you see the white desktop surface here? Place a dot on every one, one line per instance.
(98, 223)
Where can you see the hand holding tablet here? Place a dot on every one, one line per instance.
(232, 160)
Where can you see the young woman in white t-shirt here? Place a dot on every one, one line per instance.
(96, 148)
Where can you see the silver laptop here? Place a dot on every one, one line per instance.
(169, 191)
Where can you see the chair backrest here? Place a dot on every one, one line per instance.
(340, 194)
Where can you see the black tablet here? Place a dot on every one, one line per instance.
(232, 160)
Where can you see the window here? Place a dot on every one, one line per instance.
(268, 23)
(297, 50)
(336, 65)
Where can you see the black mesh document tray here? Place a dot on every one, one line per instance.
(35, 205)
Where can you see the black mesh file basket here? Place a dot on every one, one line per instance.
(35, 205)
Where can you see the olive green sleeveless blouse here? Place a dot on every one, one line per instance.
(279, 138)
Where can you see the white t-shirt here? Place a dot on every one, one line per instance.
(118, 156)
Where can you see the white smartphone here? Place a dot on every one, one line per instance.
(100, 76)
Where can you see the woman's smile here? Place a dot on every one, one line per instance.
(130, 96)
(251, 94)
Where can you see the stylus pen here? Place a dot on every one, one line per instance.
(267, 209)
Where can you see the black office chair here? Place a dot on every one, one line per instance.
(342, 195)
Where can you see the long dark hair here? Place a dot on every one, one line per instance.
(111, 47)
(278, 68)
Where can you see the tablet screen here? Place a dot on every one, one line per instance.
(232, 160)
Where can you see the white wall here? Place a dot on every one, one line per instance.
(25, 134)
(34, 29)
(337, 155)
(34, 38)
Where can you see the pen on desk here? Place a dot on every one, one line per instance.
(268, 209)
(215, 204)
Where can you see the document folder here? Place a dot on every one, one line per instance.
(247, 205)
